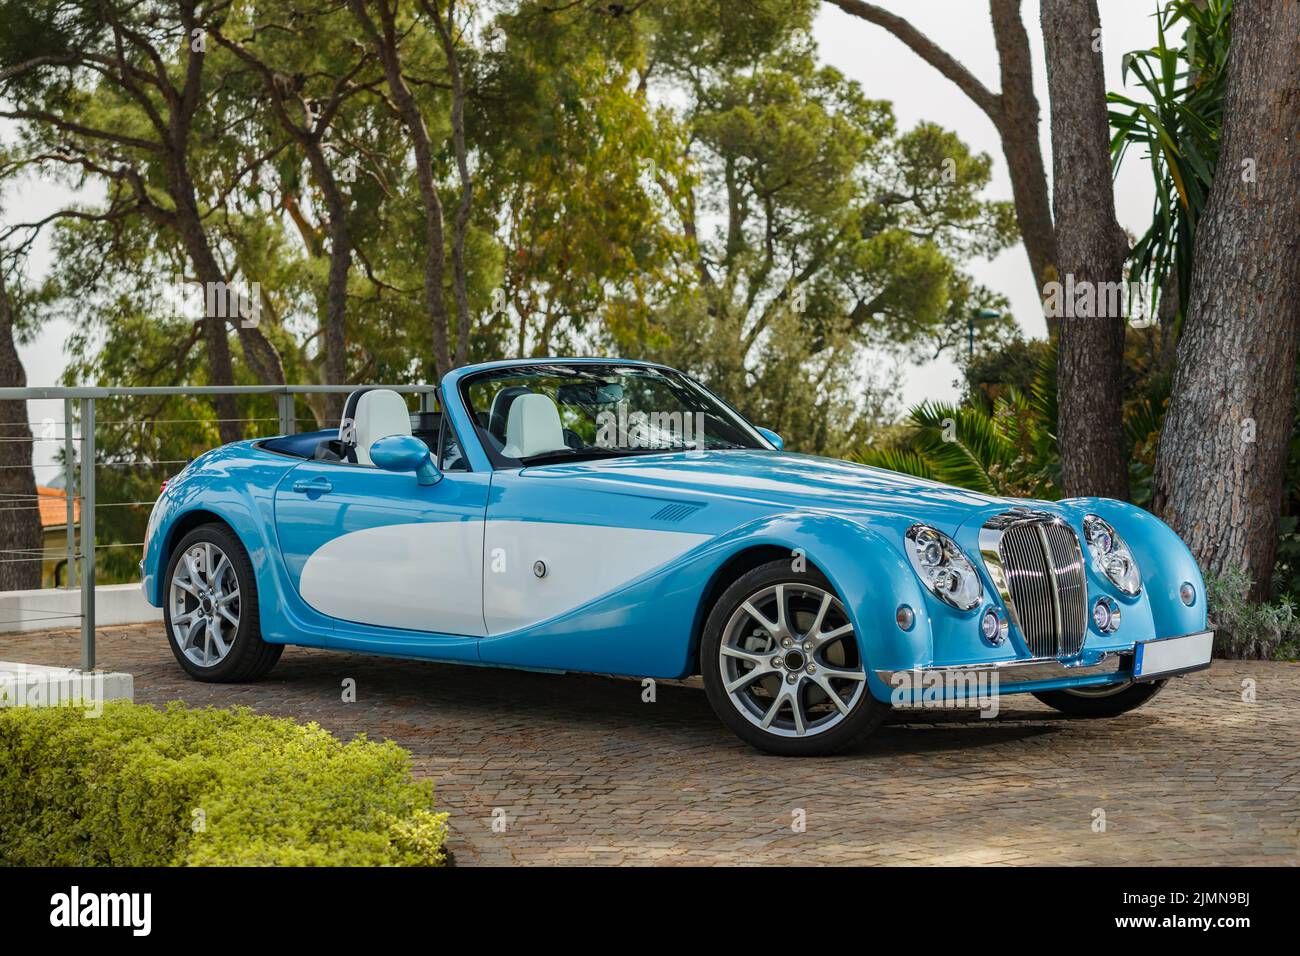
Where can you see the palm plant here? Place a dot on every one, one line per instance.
(1179, 128)
(1008, 448)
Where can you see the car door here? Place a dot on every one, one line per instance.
(377, 548)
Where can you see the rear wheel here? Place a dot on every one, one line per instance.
(782, 667)
(1105, 701)
(211, 611)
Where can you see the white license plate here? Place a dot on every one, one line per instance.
(1173, 655)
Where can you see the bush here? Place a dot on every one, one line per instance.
(1245, 629)
(143, 787)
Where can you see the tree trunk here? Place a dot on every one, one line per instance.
(1013, 112)
(258, 351)
(1091, 249)
(1017, 126)
(336, 291)
(461, 225)
(1223, 450)
(17, 480)
(384, 39)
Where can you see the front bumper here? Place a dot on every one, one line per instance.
(1142, 661)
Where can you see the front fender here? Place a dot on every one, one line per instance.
(1165, 562)
(866, 567)
(236, 485)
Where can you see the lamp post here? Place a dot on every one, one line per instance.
(970, 328)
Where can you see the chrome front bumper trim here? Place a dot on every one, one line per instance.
(1028, 671)
(1034, 670)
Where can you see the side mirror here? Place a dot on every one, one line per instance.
(406, 453)
(771, 436)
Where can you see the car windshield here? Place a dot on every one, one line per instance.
(539, 414)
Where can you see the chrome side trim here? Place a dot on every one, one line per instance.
(1028, 670)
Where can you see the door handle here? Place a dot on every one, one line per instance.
(307, 486)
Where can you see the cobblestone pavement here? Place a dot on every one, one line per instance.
(585, 772)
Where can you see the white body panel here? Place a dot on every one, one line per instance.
(429, 576)
(583, 562)
(426, 577)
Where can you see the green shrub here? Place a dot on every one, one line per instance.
(143, 787)
(1246, 629)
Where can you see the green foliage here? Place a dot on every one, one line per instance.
(1005, 448)
(1015, 364)
(1179, 129)
(1245, 629)
(1008, 453)
(685, 182)
(142, 787)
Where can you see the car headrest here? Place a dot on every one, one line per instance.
(371, 414)
(499, 415)
(533, 427)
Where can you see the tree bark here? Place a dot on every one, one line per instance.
(1091, 249)
(1224, 446)
(17, 480)
(1013, 112)
(1017, 126)
(384, 39)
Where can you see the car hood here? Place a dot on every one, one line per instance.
(782, 480)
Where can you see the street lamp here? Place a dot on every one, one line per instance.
(970, 327)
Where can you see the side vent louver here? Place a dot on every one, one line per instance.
(675, 511)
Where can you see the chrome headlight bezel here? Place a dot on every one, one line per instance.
(1111, 556)
(946, 571)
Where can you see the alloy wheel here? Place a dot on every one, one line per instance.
(205, 604)
(789, 660)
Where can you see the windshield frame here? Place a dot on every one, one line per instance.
(593, 367)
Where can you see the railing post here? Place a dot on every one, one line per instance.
(285, 404)
(70, 491)
(87, 534)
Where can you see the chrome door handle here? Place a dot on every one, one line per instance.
(307, 486)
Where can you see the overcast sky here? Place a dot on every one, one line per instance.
(886, 69)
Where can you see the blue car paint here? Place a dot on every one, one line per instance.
(846, 520)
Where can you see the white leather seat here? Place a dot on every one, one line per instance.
(377, 413)
(533, 427)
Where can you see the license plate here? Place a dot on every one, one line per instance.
(1174, 655)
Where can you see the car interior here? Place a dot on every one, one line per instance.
(370, 414)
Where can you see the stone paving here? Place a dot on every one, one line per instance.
(582, 771)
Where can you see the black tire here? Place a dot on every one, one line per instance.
(249, 657)
(864, 715)
(1106, 705)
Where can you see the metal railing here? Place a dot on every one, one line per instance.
(80, 485)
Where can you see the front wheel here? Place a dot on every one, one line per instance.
(1104, 701)
(782, 667)
(211, 611)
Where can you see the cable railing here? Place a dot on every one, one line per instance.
(85, 468)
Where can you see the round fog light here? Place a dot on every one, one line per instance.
(1106, 615)
(991, 627)
(1187, 593)
(904, 617)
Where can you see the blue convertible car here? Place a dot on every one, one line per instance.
(617, 517)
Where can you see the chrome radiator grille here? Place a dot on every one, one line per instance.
(1042, 579)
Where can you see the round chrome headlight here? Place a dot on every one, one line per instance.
(1111, 555)
(943, 567)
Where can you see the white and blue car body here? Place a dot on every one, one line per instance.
(545, 519)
